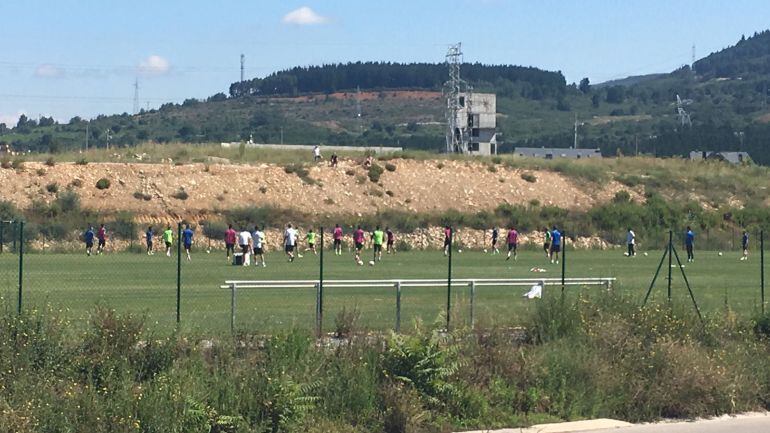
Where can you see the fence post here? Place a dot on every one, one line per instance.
(232, 307)
(178, 272)
(449, 281)
(398, 306)
(473, 298)
(21, 264)
(2, 238)
(670, 247)
(563, 258)
(321, 287)
(762, 267)
(318, 308)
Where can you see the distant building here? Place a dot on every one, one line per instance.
(731, 157)
(478, 116)
(556, 153)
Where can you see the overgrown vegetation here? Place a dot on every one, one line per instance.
(579, 358)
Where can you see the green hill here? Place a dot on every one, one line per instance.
(401, 105)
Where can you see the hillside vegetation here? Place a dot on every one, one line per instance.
(401, 105)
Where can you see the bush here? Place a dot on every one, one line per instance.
(492, 169)
(40, 172)
(622, 196)
(76, 183)
(346, 322)
(68, 202)
(390, 193)
(124, 226)
(81, 161)
(18, 164)
(440, 165)
(142, 196)
(529, 177)
(350, 172)
(103, 183)
(375, 171)
(50, 161)
(53, 187)
(390, 167)
(181, 194)
(6, 163)
(263, 189)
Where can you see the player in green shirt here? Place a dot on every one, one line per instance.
(378, 237)
(547, 243)
(311, 241)
(168, 238)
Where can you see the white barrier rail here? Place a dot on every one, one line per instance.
(235, 285)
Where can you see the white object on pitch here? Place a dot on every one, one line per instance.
(645, 253)
(485, 250)
(371, 262)
(720, 254)
(459, 251)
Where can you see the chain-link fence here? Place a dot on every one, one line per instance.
(175, 276)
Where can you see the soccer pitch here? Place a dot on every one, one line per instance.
(73, 284)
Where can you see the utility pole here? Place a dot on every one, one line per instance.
(136, 96)
(243, 64)
(692, 65)
(88, 123)
(108, 138)
(575, 145)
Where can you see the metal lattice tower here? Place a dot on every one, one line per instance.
(136, 96)
(682, 114)
(456, 92)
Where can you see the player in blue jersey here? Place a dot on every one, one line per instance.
(88, 237)
(555, 245)
(689, 243)
(187, 240)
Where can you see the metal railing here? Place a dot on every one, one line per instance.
(397, 285)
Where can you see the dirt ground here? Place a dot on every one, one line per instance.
(148, 190)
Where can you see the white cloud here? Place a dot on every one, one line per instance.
(47, 70)
(304, 16)
(154, 65)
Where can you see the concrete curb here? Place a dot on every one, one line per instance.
(564, 427)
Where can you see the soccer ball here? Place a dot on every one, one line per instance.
(371, 262)
(360, 263)
(645, 254)
(720, 254)
(460, 251)
(485, 250)
(299, 256)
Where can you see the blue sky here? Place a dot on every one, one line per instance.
(65, 58)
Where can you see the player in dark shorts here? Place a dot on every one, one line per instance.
(358, 240)
(101, 236)
(390, 247)
(513, 243)
(148, 238)
(187, 240)
(555, 244)
(495, 235)
(745, 245)
(547, 242)
(230, 239)
(88, 237)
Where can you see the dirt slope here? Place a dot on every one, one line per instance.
(417, 186)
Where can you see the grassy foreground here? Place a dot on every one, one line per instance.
(597, 356)
(73, 284)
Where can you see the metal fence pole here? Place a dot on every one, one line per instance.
(2, 238)
(563, 258)
(473, 308)
(178, 272)
(670, 247)
(21, 264)
(398, 306)
(449, 281)
(318, 308)
(232, 307)
(321, 286)
(762, 268)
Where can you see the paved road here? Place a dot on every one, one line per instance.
(742, 424)
(747, 423)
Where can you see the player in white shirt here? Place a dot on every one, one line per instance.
(258, 238)
(245, 241)
(290, 241)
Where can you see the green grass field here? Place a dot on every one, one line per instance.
(74, 284)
